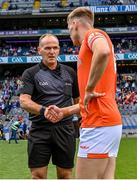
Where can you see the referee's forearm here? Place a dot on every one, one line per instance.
(29, 105)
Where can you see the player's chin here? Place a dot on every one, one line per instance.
(76, 42)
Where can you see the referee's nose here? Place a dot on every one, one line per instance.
(52, 51)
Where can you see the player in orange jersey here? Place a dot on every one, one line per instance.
(101, 127)
(101, 121)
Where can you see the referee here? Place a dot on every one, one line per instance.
(43, 85)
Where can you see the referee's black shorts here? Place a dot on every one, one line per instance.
(56, 141)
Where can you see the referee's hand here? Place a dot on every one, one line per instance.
(89, 96)
(53, 113)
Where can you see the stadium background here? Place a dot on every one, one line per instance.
(22, 22)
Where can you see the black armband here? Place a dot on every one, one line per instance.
(42, 110)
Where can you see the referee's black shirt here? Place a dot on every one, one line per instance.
(50, 87)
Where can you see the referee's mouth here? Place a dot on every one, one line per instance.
(52, 57)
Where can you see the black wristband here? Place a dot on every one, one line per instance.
(42, 110)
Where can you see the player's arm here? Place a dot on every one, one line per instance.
(101, 52)
(74, 109)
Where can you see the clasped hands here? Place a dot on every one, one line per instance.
(53, 113)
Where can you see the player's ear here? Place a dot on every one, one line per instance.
(75, 24)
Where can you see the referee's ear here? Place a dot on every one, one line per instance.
(39, 50)
(59, 49)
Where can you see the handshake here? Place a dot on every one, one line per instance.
(53, 113)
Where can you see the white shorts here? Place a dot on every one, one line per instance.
(100, 142)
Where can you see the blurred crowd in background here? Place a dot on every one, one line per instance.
(35, 4)
(10, 111)
(121, 45)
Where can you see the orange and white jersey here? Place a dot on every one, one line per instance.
(103, 110)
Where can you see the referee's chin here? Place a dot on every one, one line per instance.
(52, 62)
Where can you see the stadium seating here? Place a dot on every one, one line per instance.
(121, 45)
(11, 50)
(36, 5)
(110, 2)
(57, 5)
(21, 4)
(17, 5)
(5, 5)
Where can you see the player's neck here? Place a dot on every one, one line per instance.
(83, 33)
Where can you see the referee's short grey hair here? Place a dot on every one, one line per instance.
(47, 35)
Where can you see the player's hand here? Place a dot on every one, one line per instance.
(89, 96)
(53, 114)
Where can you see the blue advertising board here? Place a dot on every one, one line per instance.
(61, 58)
